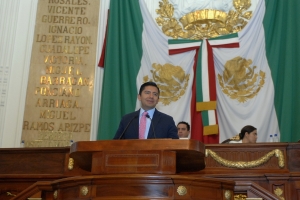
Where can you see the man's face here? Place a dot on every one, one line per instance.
(182, 131)
(149, 97)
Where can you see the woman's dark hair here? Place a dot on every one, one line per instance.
(247, 129)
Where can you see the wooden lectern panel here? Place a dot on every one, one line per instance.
(30, 161)
(113, 162)
(133, 186)
(154, 156)
(293, 152)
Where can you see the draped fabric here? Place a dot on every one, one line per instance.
(121, 65)
(126, 67)
(245, 87)
(173, 74)
(205, 83)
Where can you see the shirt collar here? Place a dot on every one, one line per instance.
(150, 112)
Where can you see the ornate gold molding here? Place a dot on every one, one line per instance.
(181, 190)
(279, 192)
(10, 194)
(55, 194)
(240, 197)
(71, 164)
(84, 190)
(250, 164)
(201, 24)
(227, 194)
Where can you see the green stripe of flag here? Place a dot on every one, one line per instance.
(122, 63)
(223, 37)
(182, 41)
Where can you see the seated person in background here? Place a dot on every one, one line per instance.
(154, 124)
(183, 129)
(248, 134)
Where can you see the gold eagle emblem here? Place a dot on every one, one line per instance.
(202, 24)
(171, 80)
(239, 81)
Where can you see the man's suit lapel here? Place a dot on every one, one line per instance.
(156, 117)
(136, 124)
(154, 122)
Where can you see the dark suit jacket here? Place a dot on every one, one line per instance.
(162, 124)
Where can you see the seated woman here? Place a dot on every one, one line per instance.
(248, 134)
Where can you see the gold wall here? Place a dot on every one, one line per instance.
(61, 79)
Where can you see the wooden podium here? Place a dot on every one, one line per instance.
(133, 169)
(64, 174)
(156, 156)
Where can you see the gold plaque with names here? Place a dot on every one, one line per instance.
(60, 88)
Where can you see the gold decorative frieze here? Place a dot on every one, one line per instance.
(251, 164)
(206, 23)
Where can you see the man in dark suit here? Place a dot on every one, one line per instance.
(158, 124)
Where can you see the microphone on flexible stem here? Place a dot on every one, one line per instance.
(127, 126)
(152, 126)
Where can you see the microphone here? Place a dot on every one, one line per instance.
(152, 126)
(127, 126)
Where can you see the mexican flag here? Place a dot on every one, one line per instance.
(244, 83)
(138, 51)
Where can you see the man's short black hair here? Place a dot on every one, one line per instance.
(148, 84)
(187, 124)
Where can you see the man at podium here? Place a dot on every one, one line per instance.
(147, 122)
